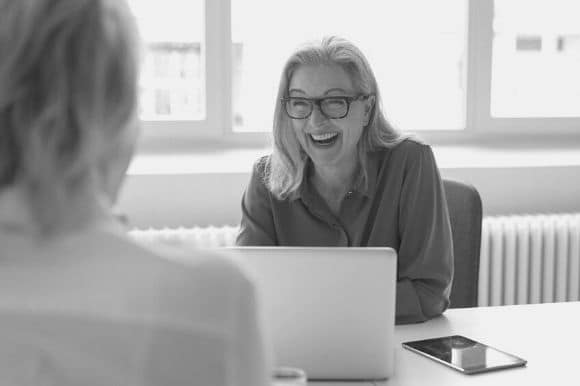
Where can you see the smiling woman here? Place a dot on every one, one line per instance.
(340, 175)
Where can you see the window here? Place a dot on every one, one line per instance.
(458, 69)
(185, 69)
(415, 47)
(536, 59)
(173, 74)
(524, 80)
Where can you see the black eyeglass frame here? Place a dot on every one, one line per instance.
(318, 102)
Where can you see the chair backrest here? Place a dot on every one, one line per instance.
(465, 213)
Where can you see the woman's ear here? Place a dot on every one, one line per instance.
(116, 162)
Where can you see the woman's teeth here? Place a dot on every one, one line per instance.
(325, 140)
(323, 137)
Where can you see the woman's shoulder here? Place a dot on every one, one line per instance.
(261, 166)
(115, 267)
(259, 177)
(218, 266)
(187, 263)
(190, 286)
(409, 149)
(411, 146)
(146, 263)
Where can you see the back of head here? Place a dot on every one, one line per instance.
(68, 82)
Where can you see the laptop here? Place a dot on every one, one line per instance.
(329, 311)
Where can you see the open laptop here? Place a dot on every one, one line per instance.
(330, 311)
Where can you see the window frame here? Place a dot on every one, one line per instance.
(217, 83)
(480, 47)
(480, 127)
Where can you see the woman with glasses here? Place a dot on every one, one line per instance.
(80, 302)
(340, 175)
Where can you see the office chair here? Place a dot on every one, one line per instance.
(465, 213)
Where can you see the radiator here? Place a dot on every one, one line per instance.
(529, 259)
(201, 237)
(524, 259)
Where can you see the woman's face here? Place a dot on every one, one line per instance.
(328, 142)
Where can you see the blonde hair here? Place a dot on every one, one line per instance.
(68, 89)
(285, 168)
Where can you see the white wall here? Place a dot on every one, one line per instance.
(188, 199)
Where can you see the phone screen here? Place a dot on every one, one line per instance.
(464, 354)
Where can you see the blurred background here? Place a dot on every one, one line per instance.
(493, 85)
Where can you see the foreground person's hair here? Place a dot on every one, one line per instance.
(68, 84)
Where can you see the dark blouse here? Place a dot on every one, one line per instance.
(402, 206)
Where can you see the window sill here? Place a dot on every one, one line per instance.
(223, 160)
(197, 162)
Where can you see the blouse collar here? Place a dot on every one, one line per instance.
(358, 185)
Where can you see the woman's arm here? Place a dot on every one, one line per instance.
(426, 248)
(257, 224)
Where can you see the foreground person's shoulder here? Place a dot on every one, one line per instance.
(213, 264)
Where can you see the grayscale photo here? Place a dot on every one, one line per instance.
(289, 193)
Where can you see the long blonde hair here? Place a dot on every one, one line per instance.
(68, 88)
(285, 168)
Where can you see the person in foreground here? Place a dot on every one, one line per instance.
(80, 303)
(340, 175)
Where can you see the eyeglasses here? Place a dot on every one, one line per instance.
(334, 107)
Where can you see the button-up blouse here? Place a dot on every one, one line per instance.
(401, 206)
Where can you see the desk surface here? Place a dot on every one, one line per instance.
(546, 335)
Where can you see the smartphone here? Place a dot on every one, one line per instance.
(465, 355)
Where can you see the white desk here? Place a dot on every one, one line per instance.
(546, 335)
